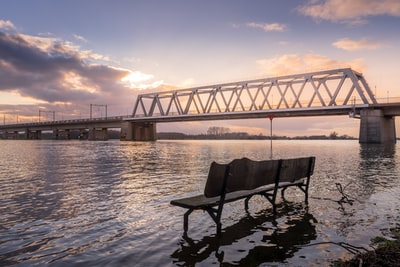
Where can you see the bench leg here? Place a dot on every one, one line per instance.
(304, 188)
(246, 203)
(219, 227)
(216, 216)
(283, 192)
(186, 219)
(306, 197)
(274, 208)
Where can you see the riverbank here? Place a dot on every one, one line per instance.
(386, 253)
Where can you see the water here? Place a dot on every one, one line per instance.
(71, 203)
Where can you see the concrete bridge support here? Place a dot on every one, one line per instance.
(377, 128)
(55, 134)
(138, 131)
(61, 134)
(104, 134)
(33, 135)
(13, 135)
(92, 134)
(27, 134)
(67, 133)
(83, 134)
(95, 134)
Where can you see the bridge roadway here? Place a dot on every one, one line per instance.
(97, 127)
(392, 109)
(93, 129)
(389, 109)
(109, 122)
(277, 113)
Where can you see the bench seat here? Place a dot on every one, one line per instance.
(201, 201)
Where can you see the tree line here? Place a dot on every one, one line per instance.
(218, 132)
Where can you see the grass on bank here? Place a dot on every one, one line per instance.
(386, 253)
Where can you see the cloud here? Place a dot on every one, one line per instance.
(268, 27)
(353, 12)
(6, 25)
(60, 73)
(299, 63)
(352, 45)
(80, 38)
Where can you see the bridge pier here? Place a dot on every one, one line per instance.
(33, 135)
(55, 134)
(67, 134)
(10, 135)
(83, 134)
(138, 131)
(104, 134)
(59, 134)
(95, 134)
(377, 128)
(27, 134)
(92, 134)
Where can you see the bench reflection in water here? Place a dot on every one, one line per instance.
(255, 239)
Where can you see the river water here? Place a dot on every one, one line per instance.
(82, 203)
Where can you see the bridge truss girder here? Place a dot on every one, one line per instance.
(340, 87)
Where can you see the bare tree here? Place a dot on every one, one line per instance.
(217, 131)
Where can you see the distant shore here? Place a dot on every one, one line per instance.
(246, 136)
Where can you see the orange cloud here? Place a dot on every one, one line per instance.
(140, 80)
(352, 12)
(297, 63)
(352, 45)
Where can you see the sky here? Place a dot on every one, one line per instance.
(62, 56)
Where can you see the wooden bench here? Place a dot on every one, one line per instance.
(244, 178)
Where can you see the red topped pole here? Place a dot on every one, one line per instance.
(271, 117)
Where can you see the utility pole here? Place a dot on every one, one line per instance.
(45, 111)
(97, 105)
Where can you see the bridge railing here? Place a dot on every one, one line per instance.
(339, 87)
(63, 122)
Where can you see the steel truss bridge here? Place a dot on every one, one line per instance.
(322, 93)
(332, 92)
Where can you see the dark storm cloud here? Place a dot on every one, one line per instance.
(25, 57)
(53, 71)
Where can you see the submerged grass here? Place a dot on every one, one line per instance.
(386, 253)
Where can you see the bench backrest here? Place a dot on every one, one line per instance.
(247, 174)
(296, 169)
